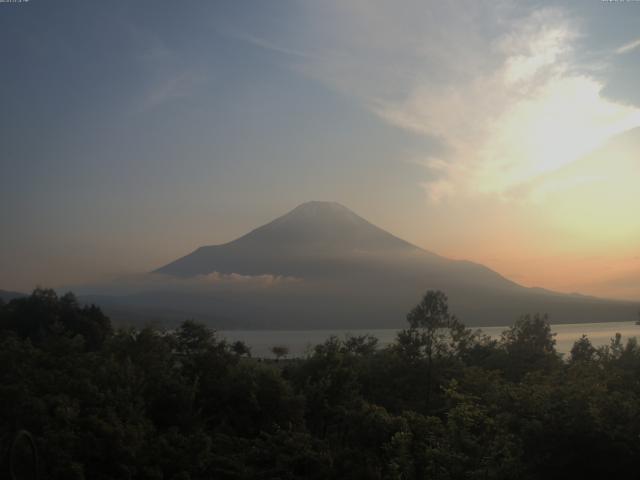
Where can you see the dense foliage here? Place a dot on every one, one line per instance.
(442, 402)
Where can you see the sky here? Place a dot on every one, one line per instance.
(507, 133)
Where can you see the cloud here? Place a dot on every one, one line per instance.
(267, 45)
(628, 47)
(170, 87)
(166, 73)
(214, 282)
(532, 115)
(499, 85)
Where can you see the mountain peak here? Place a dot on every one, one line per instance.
(312, 232)
(325, 225)
(321, 211)
(320, 205)
(321, 214)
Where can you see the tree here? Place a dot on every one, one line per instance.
(240, 348)
(433, 332)
(530, 345)
(181, 404)
(44, 317)
(361, 345)
(280, 351)
(194, 338)
(583, 350)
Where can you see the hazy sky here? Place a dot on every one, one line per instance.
(507, 133)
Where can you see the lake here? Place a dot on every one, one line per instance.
(300, 342)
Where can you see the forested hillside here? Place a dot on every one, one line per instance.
(442, 402)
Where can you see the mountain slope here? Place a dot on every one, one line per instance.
(323, 266)
(7, 296)
(289, 245)
(326, 240)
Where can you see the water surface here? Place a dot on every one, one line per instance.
(301, 342)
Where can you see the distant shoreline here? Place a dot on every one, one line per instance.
(300, 341)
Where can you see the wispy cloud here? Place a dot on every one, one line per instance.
(171, 87)
(500, 86)
(628, 47)
(167, 76)
(531, 115)
(201, 284)
(267, 44)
